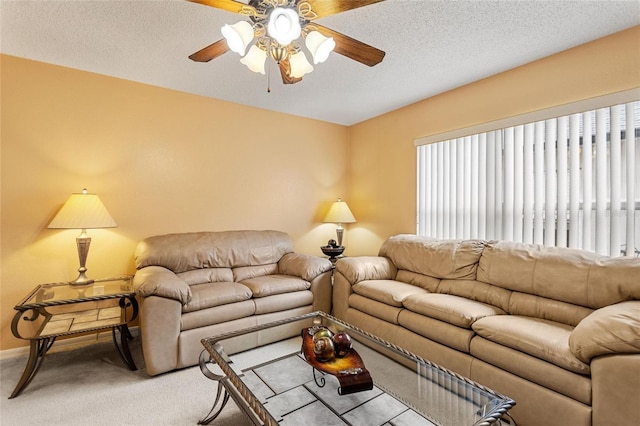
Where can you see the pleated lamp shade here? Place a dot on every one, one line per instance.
(339, 213)
(83, 211)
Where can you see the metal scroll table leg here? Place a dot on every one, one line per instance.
(128, 304)
(222, 391)
(38, 349)
(215, 413)
(123, 347)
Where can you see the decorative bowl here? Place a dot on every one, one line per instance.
(331, 251)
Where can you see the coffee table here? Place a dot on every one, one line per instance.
(274, 385)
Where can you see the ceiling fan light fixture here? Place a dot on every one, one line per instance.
(299, 65)
(274, 29)
(255, 59)
(238, 36)
(319, 46)
(284, 25)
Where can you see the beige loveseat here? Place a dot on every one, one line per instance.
(557, 330)
(196, 285)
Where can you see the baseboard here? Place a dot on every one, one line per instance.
(67, 344)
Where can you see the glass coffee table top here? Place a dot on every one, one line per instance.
(274, 384)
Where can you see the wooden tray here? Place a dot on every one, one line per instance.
(349, 370)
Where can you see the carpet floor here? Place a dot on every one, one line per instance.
(90, 385)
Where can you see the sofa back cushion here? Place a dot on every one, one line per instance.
(529, 305)
(443, 259)
(567, 275)
(478, 291)
(425, 281)
(228, 249)
(207, 275)
(247, 272)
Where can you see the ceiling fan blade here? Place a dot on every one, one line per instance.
(285, 69)
(210, 52)
(228, 5)
(352, 48)
(323, 8)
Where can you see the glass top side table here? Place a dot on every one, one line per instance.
(60, 309)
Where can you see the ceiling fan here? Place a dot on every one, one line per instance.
(276, 25)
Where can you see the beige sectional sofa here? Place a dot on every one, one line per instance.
(196, 285)
(558, 330)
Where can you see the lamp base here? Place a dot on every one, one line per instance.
(339, 234)
(83, 242)
(82, 279)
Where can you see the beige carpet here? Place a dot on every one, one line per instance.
(91, 386)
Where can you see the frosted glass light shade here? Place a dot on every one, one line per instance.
(319, 46)
(284, 25)
(255, 59)
(238, 36)
(299, 65)
(339, 213)
(83, 211)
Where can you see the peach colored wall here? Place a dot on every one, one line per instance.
(161, 161)
(164, 161)
(383, 157)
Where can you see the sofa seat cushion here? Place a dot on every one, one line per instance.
(268, 285)
(439, 331)
(375, 308)
(452, 309)
(390, 292)
(283, 301)
(543, 339)
(217, 315)
(215, 294)
(536, 370)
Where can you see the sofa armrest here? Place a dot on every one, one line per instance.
(304, 266)
(159, 281)
(160, 333)
(614, 329)
(614, 383)
(361, 268)
(322, 292)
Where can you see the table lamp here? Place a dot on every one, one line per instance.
(339, 213)
(83, 211)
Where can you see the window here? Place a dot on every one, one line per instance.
(567, 181)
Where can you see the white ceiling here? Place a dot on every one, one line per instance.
(431, 47)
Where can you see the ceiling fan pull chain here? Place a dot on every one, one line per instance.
(269, 77)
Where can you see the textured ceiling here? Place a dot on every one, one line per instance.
(431, 47)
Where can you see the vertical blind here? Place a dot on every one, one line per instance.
(571, 181)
